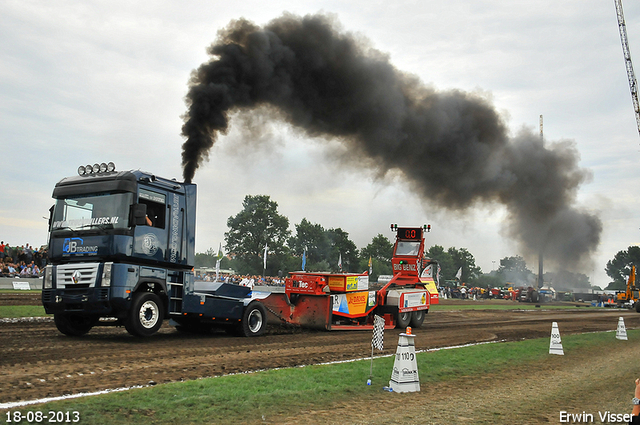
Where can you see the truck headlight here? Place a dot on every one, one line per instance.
(47, 282)
(106, 274)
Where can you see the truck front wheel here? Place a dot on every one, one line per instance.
(73, 324)
(145, 316)
(254, 320)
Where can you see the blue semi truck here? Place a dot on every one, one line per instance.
(122, 250)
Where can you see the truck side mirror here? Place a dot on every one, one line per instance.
(51, 215)
(138, 214)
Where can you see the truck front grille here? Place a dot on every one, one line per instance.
(77, 275)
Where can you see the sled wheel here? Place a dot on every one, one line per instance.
(403, 319)
(417, 317)
(145, 316)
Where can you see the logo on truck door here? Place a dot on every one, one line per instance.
(150, 244)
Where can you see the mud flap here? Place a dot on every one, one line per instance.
(308, 311)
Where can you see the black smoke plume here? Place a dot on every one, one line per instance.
(452, 146)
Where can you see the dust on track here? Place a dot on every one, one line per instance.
(37, 361)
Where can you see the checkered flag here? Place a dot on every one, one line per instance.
(378, 333)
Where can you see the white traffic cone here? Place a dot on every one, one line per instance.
(621, 332)
(404, 377)
(555, 346)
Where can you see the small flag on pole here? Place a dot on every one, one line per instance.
(265, 255)
(370, 266)
(218, 259)
(304, 259)
(378, 333)
(459, 274)
(340, 262)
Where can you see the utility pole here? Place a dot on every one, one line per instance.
(540, 266)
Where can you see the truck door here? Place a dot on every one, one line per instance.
(151, 238)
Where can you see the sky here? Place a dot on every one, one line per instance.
(98, 81)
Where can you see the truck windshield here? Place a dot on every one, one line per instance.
(99, 211)
(407, 248)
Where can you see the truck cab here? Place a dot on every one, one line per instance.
(122, 251)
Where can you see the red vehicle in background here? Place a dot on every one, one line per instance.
(340, 301)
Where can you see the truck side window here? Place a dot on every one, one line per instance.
(155, 213)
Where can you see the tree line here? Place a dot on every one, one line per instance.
(259, 225)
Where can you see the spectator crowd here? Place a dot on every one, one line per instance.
(22, 261)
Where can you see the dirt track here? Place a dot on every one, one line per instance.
(37, 361)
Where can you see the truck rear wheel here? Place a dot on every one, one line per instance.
(254, 320)
(74, 324)
(145, 316)
(417, 317)
(637, 306)
(403, 319)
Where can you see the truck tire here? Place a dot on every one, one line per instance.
(73, 324)
(254, 320)
(403, 319)
(417, 317)
(145, 316)
(637, 306)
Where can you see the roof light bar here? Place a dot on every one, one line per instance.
(96, 168)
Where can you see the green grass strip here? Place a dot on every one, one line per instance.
(21, 291)
(247, 397)
(479, 305)
(15, 311)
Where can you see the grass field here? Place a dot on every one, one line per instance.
(14, 311)
(264, 396)
(499, 305)
(19, 291)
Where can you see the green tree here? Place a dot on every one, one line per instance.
(380, 248)
(619, 268)
(206, 259)
(489, 280)
(447, 266)
(565, 280)
(380, 251)
(314, 239)
(256, 225)
(342, 247)
(462, 258)
(514, 270)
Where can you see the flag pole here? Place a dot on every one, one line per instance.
(371, 367)
(377, 341)
(264, 267)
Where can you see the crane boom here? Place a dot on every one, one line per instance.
(633, 83)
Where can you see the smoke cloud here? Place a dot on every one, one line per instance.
(451, 145)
